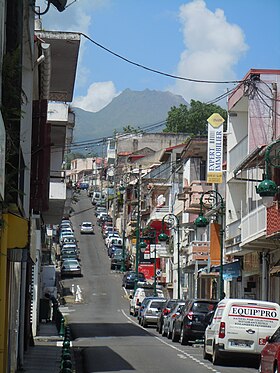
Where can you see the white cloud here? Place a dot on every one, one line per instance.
(213, 47)
(98, 96)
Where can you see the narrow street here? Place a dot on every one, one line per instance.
(105, 337)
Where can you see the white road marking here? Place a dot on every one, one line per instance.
(181, 352)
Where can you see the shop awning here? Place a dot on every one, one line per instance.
(17, 228)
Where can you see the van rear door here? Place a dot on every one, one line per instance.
(249, 323)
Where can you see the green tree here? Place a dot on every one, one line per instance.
(193, 119)
(131, 129)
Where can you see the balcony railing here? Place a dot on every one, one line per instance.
(198, 251)
(193, 193)
(253, 225)
(158, 213)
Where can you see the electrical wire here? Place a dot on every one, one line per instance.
(158, 71)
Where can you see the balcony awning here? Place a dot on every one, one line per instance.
(275, 270)
(253, 160)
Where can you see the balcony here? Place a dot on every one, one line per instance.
(198, 251)
(253, 230)
(193, 194)
(158, 213)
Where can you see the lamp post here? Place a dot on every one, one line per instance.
(212, 200)
(174, 223)
(267, 189)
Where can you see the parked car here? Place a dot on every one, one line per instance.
(70, 267)
(112, 248)
(270, 355)
(68, 240)
(65, 255)
(240, 326)
(100, 209)
(87, 228)
(151, 312)
(111, 235)
(139, 295)
(70, 246)
(168, 321)
(143, 306)
(130, 277)
(190, 325)
(164, 312)
(64, 236)
(117, 260)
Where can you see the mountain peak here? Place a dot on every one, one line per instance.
(134, 108)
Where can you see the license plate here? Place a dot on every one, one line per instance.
(240, 344)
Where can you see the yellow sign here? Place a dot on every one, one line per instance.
(215, 177)
(215, 120)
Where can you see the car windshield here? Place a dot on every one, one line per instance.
(87, 225)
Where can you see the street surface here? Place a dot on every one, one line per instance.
(105, 337)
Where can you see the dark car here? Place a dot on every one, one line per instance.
(164, 312)
(190, 325)
(117, 260)
(113, 248)
(130, 278)
(270, 355)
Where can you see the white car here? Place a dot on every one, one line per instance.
(86, 228)
(139, 296)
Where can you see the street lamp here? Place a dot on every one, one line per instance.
(212, 200)
(267, 189)
(174, 223)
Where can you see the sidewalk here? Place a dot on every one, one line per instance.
(45, 355)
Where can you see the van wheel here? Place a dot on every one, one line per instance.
(206, 356)
(175, 337)
(216, 359)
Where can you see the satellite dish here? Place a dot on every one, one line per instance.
(110, 172)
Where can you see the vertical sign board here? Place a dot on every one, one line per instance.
(2, 156)
(215, 149)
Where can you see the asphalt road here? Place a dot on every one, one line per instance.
(105, 337)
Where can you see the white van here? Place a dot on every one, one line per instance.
(240, 327)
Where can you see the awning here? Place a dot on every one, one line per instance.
(275, 270)
(17, 228)
(254, 159)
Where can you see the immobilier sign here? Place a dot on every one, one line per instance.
(215, 148)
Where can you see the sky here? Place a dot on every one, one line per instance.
(204, 40)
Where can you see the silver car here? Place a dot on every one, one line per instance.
(86, 228)
(151, 311)
(168, 321)
(71, 267)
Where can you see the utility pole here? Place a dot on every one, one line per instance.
(138, 225)
(114, 182)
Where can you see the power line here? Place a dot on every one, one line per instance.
(158, 71)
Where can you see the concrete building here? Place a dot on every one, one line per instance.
(252, 229)
(32, 189)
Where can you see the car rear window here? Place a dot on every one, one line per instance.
(156, 304)
(203, 307)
